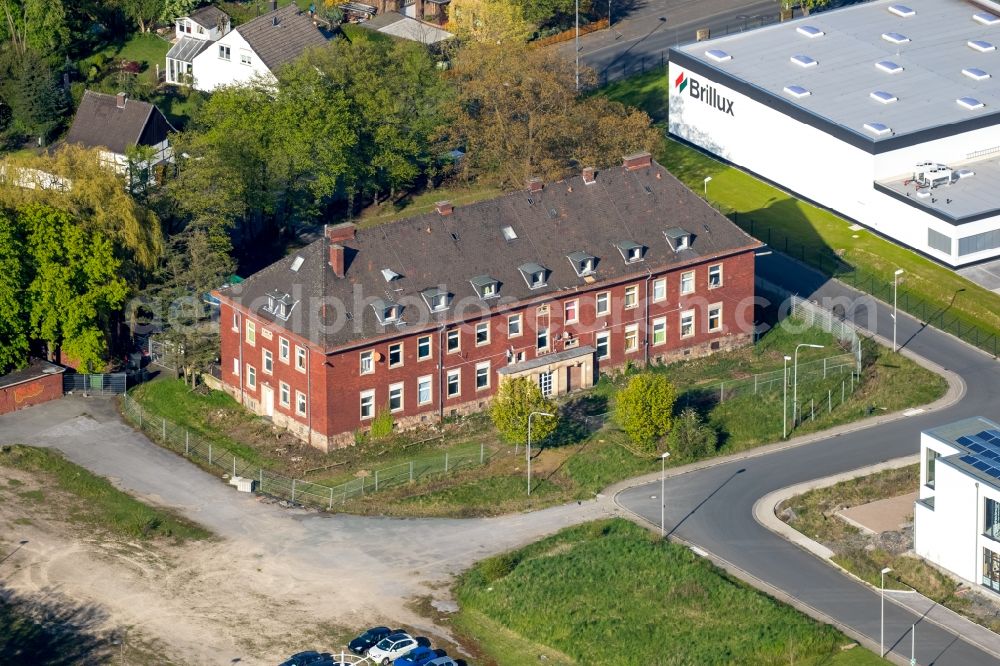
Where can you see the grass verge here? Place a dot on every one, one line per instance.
(100, 503)
(864, 555)
(565, 597)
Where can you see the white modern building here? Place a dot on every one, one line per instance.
(957, 516)
(887, 112)
(193, 34)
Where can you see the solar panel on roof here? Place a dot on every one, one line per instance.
(964, 441)
(968, 460)
(993, 433)
(977, 448)
(982, 465)
(983, 434)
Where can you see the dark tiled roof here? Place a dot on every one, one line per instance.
(208, 16)
(36, 368)
(448, 251)
(277, 44)
(99, 123)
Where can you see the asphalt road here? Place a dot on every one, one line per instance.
(713, 507)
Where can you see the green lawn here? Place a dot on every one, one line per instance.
(148, 50)
(610, 592)
(648, 91)
(99, 504)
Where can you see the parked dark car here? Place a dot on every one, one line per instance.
(307, 658)
(361, 644)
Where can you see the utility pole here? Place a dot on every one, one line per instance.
(577, 45)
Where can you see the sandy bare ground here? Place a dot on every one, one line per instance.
(275, 581)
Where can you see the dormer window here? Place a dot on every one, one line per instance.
(390, 274)
(485, 286)
(631, 252)
(279, 304)
(534, 274)
(678, 238)
(436, 299)
(387, 311)
(584, 264)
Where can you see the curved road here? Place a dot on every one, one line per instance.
(713, 507)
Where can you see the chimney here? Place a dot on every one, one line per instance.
(535, 185)
(274, 21)
(637, 161)
(444, 208)
(337, 259)
(338, 233)
(121, 97)
(589, 177)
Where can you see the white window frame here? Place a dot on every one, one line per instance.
(402, 396)
(300, 358)
(687, 285)
(251, 333)
(398, 346)
(456, 373)
(485, 365)
(284, 350)
(251, 376)
(687, 319)
(632, 330)
(659, 336)
(606, 337)
(659, 290)
(539, 333)
(225, 53)
(430, 348)
(284, 395)
(429, 380)
(575, 305)
(370, 396)
(267, 362)
(717, 308)
(236, 366)
(631, 297)
(710, 269)
(236, 321)
(301, 404)
(245, 59)
(483, 327)
(366, 362)
(457, 336)
(606, 309)
(515, 326)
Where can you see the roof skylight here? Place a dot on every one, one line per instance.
(718, 55)
(878, 129)
(883, 96)
(902, 10)
(810, 31)
(895, 37)
(509, 233)
(389, 274)
(889, 67)
(975, 73)
(804, 60)
(981, 46)
(970, 103)
(297, 264)
(798, 92)
(985, 18)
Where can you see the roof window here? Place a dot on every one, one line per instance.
(975, 73)
(878, 129)
(809, 31)
(631, 251)
(387, 311)
(485, 286)
(798, 92)
(981, 46)
(895, 38)
(718, 55)
(678, 238)
(970, 103)
(508, 233)
(437, 299)
(883, 97)
(534, 274)
(390, 274)
(889, 67)
(297, 264)
(279, 304)
(583, 263)
(985, 18)
(902, 10)
(804, 60)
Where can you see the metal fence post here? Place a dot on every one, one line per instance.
(376, 480)
(210, 453)
(482, 453)
(187, 443)
(140, 415)
(829, 400)
(446, 461)
(330, 506)
(824, 367)
(293, 490)
(234, 465)
(260, 483)
(362, 486)
(163, 424)
(755, 384)
(411, 471)
(842, 384)
(722, 392)
(812, 408)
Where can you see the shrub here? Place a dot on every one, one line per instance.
(382, 424)
(514, 402)
(690, 437)
(499, 566)
(644, 408)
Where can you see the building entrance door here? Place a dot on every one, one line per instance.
(267, 400)
(574, 374)
(545, 383)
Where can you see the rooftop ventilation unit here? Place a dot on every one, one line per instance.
(878, 129)
(889, 67)
(798, 92)
(809, 31)
(902, 10)
(718, 55)
(970, 103)
(883, 97)
(985, 18)
(895, 38)
(804, 60)
(930, 175)
(923, 194)
(975, 73)
(981, 46)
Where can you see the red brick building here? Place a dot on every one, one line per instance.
(425, 317)
(38, 382)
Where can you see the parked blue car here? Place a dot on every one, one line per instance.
(420, 656)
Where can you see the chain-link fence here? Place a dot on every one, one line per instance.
(181, 440)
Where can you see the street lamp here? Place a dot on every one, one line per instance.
(705, 182)
(895, 289)
(784, 401)
(577, 45)
(529, 443)
(913, 645)
(795, 379)
(663, 499)
(881, 644)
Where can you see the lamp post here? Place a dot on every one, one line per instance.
(895, 289)
(577, 45)
(784, 400)
(663, 488)
(795, 378)
(913, 645)
(705, 182)
(529, 443)
(881, 643)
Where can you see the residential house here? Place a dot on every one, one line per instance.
(399, 25)
(194, 34)
(116, 125)
(956, 521)
(426, 316)
(257, 48)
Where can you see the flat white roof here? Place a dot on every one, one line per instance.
(971, 191)
(929, 39)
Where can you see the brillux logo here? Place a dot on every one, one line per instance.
(706, 94)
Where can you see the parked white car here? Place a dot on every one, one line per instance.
(390, 648)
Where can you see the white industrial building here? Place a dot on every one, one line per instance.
(886, 112)
(956, 521)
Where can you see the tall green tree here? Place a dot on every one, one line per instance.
(13, 308)
(31, 90)
(38, 25)
(514, 402)
(143, 12)
(644, 408)
(690, 437)
(546, 13)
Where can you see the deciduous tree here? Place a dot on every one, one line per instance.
(514, 402)
(13, 310)
(644, 408)
(34, 24)
(690, 437)
(489, 21)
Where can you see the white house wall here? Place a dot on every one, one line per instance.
(947, 535)
(211, 71)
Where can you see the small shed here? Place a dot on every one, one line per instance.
(38, 382)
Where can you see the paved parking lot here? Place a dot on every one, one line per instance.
(986, 274)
